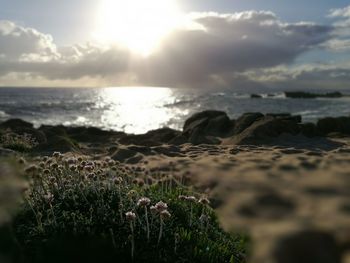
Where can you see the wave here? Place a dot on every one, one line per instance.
(3, 115)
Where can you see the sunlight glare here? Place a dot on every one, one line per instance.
(137, 24)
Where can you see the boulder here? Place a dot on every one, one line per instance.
(151, 138)
(334, 125)
(57, 143)
(255, 96)
(309, 129)
(246, 120)
(264, 130)
(203, 127)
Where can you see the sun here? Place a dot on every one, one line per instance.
(140, 25)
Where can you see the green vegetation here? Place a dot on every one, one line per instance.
(81, 210)
(17, 142)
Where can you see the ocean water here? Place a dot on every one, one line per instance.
(138, 110)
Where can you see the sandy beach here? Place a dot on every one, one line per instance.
(283, 191)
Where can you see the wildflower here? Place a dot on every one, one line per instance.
(71, 161)
(89, 168)
(153, 209)
(130, 216)
(111, 163)
(54, 165)
(191, 199)
(31, 169)
(204, 201)
(165, 214)
(118, 180)
(143, 202)
(42, 164)
(21, 161)
(132, 193)
(73, 168)
(56, 154)
(46, 171)
(48, 197)
(161, 206)
(182, 197)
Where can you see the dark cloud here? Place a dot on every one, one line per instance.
(220, 49)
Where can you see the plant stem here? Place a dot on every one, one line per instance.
(160, 231)
(147, 223)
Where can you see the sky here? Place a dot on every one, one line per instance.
(176, 43)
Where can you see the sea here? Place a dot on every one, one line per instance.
(141, 109)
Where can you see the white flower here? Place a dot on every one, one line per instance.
(130, 216)
(144, 201)
(191, 198)
(165, 214)
(204, 201)
(161, 206)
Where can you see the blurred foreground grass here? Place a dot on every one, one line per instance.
(77, 209)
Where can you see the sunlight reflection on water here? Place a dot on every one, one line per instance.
(137, 109)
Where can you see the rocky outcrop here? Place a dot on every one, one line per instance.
(246, 120)
(308, 95)
(151, 138)
(206, 126)
(264, 130)
(331, 125)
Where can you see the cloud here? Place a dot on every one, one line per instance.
(231, 43)
(214, 54)
(340, 12)
(22, 44)
(301, 77)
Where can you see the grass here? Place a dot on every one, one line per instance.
(81, 210)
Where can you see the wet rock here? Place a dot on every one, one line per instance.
(255, 96)
(307, 247)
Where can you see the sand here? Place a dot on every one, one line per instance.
(271, 192)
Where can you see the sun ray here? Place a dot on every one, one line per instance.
(137, 24)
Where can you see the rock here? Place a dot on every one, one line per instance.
(21, 127)
(123, 154)
(246, 120)
(286, 116)
(308, 95)
(57, 143)
(307, 247)
(255, 96)
(309, 129)
(332, 125)
(203, 127)
(151, 138)
(264, 130)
